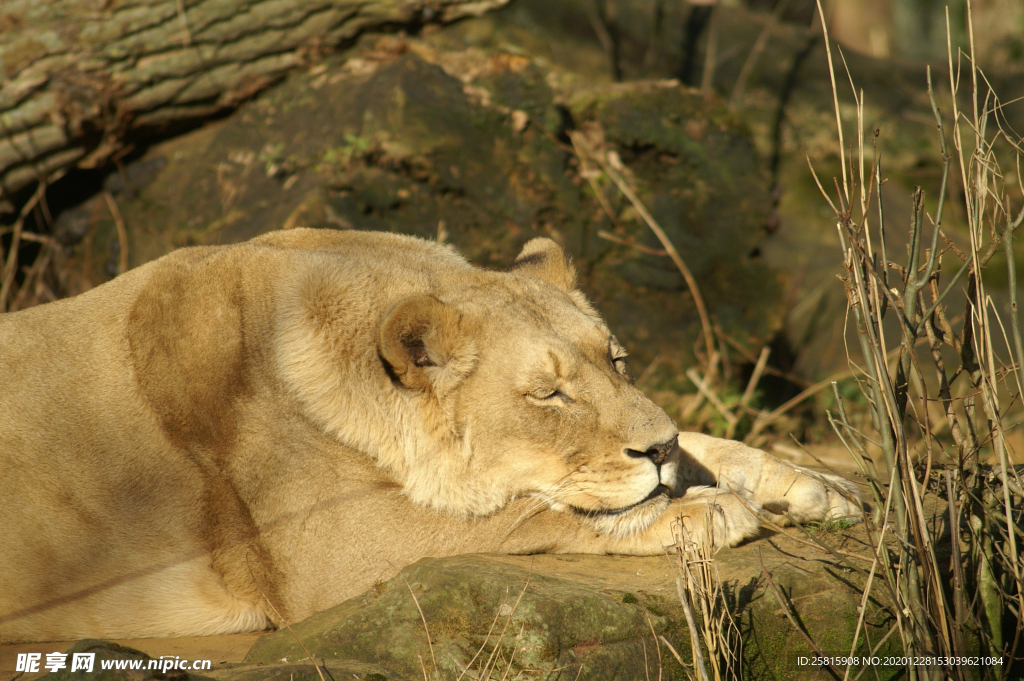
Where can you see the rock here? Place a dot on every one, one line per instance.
(538, 621)
(785, 102)
(594, 612)
(411, 136)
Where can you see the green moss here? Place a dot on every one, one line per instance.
(829, 525)
(655, 610)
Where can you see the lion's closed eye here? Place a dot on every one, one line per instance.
(549, 395)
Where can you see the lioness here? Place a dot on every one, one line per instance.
(233, 436)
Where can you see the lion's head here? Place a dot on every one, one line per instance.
(476, 387)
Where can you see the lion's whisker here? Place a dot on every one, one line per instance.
(539, 501)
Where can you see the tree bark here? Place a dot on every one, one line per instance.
(79, 79)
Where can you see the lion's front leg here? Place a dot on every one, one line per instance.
(785, 491)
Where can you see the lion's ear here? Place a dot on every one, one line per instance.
(424, 346)
(543, 259)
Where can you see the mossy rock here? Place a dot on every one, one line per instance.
(406, 136)
(583, 614)
(475, 610)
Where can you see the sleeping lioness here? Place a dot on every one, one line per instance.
(232, 437)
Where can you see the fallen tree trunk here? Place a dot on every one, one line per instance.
(79, 79)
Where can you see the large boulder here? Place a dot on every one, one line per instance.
(407, 135)
(782, 93)
(595, 616)
(477, 610)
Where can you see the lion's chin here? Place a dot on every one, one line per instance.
(625, 522)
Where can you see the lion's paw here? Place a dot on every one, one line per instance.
(716, 517)
(816, 496)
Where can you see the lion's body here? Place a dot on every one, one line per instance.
(275, 423)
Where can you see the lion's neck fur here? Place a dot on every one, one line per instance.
(424, 446)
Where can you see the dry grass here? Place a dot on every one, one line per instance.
(975, 373)
(35, 283)
(706, 609)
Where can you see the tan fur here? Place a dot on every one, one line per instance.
(293, 418)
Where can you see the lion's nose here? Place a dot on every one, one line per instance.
(656, 453)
